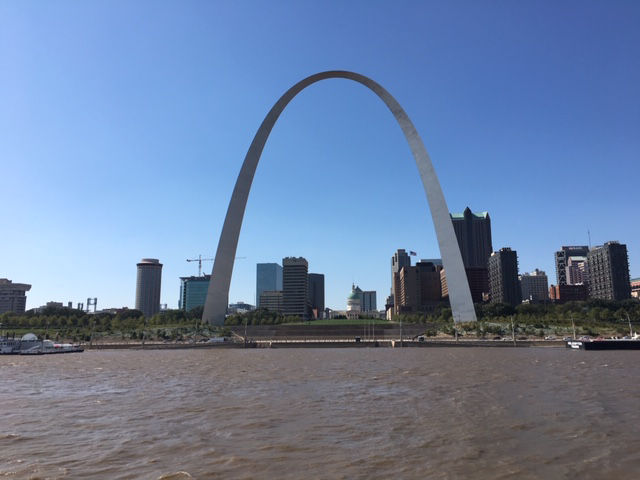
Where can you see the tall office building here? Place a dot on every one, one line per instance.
(295, 285)
(418, 288)
(316, 294)
(399, 260)
(268, 277)
(193, 292)
(576, 271)
(562, 260)
(534, 286)
(271, 300)
(13, 296)
(478, 278)
(148, 286)
(473, 231)
(504, 286)
(608, 272)
(369, 301)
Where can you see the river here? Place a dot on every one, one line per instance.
(412, 413)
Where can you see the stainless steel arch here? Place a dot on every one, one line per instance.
(217, 300)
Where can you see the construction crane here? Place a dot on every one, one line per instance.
(199, 260)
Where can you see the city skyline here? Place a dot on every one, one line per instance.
(106, 131)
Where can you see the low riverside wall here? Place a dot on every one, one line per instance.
(329, 336)
(160, 346)
(346, 332)
(412, 343)
(326, 343)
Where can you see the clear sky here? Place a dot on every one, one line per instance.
(123, 126)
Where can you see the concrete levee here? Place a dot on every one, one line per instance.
(347, 332)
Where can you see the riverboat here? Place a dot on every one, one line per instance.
(47, 347)
(30, 345)
(630, 342)
(605, 344)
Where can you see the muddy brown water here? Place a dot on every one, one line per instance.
(321, 413)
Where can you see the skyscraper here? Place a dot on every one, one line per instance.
(576, 271)
(368, 301)
(148, 286)
(295, 285)
(271, 300)
(268, 277)
(473, 231)
(418, 288)
(534, 286)
(193, 292)
(316, 294)
(13, 296)
(503, 277)
(399, 260)
(478, 278)
(608, 272)
(562, 260)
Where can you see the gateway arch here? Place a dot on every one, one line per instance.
(215, 307)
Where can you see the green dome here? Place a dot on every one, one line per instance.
(353, 296)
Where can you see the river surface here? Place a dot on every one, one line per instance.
(365, 413)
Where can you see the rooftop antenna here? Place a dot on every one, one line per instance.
(589, 234)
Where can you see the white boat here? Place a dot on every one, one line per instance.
(47, 347)
(30, 345)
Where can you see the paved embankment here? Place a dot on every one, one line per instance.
(328, 343)
(344, 332)
(160, 346)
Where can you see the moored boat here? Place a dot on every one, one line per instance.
(630, 342)
(30, 345)
(605, 344)
(47, 347)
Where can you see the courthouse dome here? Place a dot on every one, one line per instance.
(353, 300)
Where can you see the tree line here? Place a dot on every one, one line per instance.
(71, 323)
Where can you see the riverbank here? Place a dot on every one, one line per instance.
(328, 343)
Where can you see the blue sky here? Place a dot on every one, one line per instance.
(123, 126)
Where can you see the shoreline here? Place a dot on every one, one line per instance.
(330, 343)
